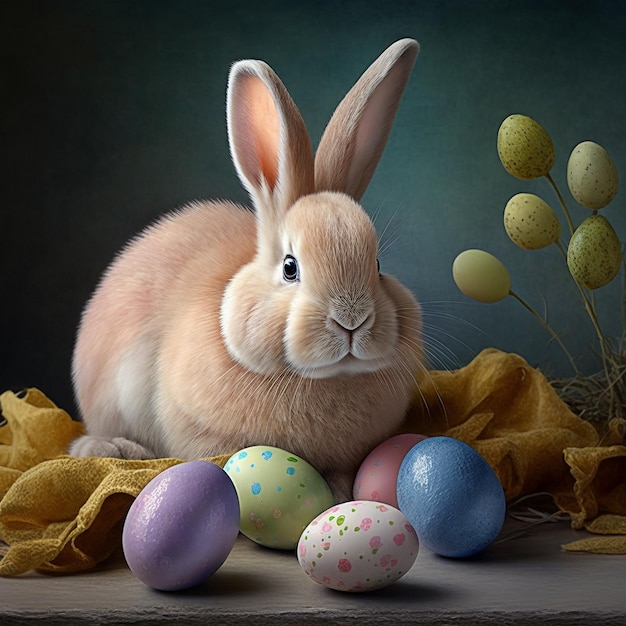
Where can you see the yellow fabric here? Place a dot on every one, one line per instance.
(599, 498)
(510, 413)
(60, 514)
(37, 430)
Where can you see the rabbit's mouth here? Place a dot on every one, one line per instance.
(348, 365)
(338, 350)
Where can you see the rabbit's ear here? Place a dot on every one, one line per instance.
(355, 137)
(269, 143)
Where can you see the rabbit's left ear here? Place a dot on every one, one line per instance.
(269, 143)
(355, 137)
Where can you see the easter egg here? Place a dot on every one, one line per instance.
(594, 254)
(525, 148)
(481, 276)
(530, 222)
(377, 476)
(451, 496)
(358, 546)
(182, 526)
(279, 494)
(591, 175)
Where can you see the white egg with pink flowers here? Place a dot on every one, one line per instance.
(358, 546)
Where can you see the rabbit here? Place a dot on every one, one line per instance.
(220, 327)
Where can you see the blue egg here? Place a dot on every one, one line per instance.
(451, 496)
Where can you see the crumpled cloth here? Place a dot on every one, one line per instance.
(509, 413)
(598, 503)
(60, 514)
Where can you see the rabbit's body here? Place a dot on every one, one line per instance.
(219, 328)
(143, 300)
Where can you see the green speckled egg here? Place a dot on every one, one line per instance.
(591, 175)
(279, 494)
(594, 254)
(530, 222)
(525, 148)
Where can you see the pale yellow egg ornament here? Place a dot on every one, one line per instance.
(592, 176)
(481, 276)
(525, 148)
(530, 222)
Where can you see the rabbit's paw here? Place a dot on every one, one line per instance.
(340, 485)
(118, 448)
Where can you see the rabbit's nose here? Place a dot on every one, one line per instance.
(353, 323)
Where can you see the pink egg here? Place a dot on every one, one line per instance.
(377, 477)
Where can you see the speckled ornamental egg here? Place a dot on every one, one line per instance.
(481, 276)
(378, 474)
(451, 496)
(279, 494)
(182, 526)
(358, 546)
(591, 175)
(525, 148)
(530, 222)
(594, 254)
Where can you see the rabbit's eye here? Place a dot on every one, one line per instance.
(291, 273)
(378, 266)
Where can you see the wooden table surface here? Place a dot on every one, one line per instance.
(520, 581)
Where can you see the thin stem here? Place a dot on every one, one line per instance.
(557, 243)
(608, 363)
(561, 202)
(549, 328)
(623, 300)
(591, 311)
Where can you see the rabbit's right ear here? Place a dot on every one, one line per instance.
(355, 137)
(269, 143)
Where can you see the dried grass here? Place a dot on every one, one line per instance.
(601, 398)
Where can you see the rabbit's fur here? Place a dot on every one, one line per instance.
(218, 327)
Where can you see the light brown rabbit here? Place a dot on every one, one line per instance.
(219, 327)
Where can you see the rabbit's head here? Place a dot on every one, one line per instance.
(312, 301)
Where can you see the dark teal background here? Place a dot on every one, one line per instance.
(113, 113)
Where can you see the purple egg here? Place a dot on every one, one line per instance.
(182, 526)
